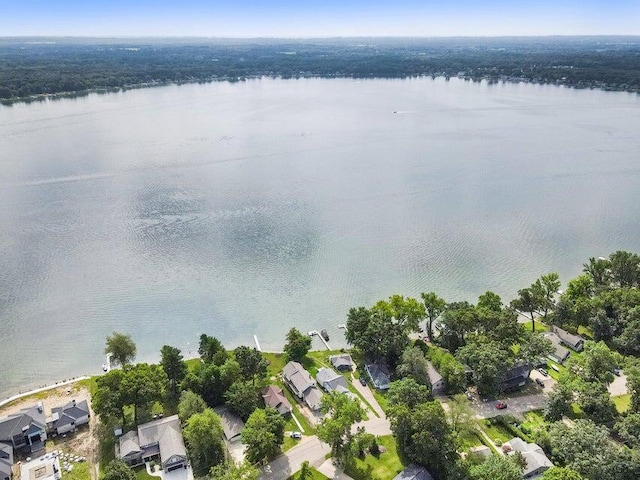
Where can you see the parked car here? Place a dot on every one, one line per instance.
(540, 382)
(470, 396)
(325, 335)
(617, 372)
(363, 382)
(543, 372)
(295, 435)
(501, 405)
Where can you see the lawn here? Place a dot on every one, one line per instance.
(277, 361)
(496, 432)
(533, 420)
(540, 327)
(141, 474)
(80, 471)
(315, 475)
(469, 440)
(622, 402)
(382, 467)
(381, 397)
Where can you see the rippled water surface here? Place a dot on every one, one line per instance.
(242, 209)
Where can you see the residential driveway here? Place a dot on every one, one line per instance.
(366, 392)
(619, 385)
(236, 450)
(310, 449)
(548, 381)
(376, 426)
(515, 405)
(328, 469)
(179, 474)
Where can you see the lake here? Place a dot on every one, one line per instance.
(247, 208)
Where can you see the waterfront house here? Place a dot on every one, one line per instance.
(332, 381)
(25, 431)
(560, 353)
(232, 424)
(6, 461)
(414, 472)
(302, 385)
(536, 460)
(160, 440)
(274, 397)
(437, 382)
(68, 417)
(514, 378)
(379, 375)
(342, 363)
(574, 342)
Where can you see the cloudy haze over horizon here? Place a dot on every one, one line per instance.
(318, 18)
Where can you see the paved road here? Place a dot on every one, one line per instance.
(310, 449)
(515, 405)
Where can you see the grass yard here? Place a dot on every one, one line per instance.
(469, 440)
(585, 332)
(622, 402)
(496, 432)
(141, 474)
(540, 327)
(533, 420)
(381, 397)
(315, 475)
(552, 373)
(277, 361)
(383, 467)
(80, 472)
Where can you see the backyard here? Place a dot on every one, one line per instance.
(384, 466)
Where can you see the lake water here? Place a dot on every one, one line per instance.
(248, 208)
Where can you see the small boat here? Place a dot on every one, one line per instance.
(325, 335)
(104, 367)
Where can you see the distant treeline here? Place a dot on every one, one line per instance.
(43, 66)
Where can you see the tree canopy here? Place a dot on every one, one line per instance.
(121, 347)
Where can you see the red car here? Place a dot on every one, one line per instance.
(501, 405)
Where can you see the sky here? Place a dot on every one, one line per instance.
(318, 18)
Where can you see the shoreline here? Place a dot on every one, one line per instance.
(35, 391)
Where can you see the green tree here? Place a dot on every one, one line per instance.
(413, 364)
(143, 385)
(596, 363)
(528, 300)
(460, 415)
(407, 392)
(434, 306)
(298, 345)
(488, 360)
(121, 347)
(458, 319)
(535, 347)
(174, 366)
(211, 350)
(234, 471)
(452, 371)
(599, 272)
(335, 429)
(305, 471)
(263, 434)
(490, 301)
(596, 403)
(242, 398)
(629, 429)
(252, 364)
(423, 436)
(560, 473)
(118, 470)
(203, 436)
(190, 404)
(625, 268)
(559, 404)
(497, 467)
(211, 381)
(109, 400)
(545, 289)
(633, 387)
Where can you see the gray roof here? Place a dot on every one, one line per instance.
(533, 454)
(129, 444)
(379, 375)
(295, 374)
(343, 360)
(561, 353)
(568, 338)
(330, 380)
(167, 434)
(232, 424)
(312, 398)
(69, 413)
(6, 460)
(31, 417)
(274, 397)
(414, 472)
(434, 376)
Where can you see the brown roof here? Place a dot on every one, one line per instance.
(274, 397)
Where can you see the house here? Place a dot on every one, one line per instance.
(574, 342)
(414, 472)
(437, 382)
(25, 431)
(560, 354)
(6, 461)
(332, 381)
(159, 440)
(302, 385)
(342, 363)
(232, 424)
(537, 461)
(273, 397)
(46, 467)
(379, 375)
(514, 378)
(68, 417)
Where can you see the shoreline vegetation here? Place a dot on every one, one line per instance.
(35, 69)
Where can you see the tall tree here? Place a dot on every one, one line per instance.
(497, 467)
(203, 435)
(242, 397)
(561, 473)
(211, 350)
(190, 404)
(527, 301)
(490, 301)
(596, 363)
(458, 319)
(121, 347)
(335, 429)
(629, 429)
(534, 348)
(488, 360)
(109, 400)
(407, 392)
(297, 345)
(118, 470)
(174, 366)
(142, 385)
(599, 270)
(460, 415)
(434, 306)
(545, 289)
(625, 268)
(633, 387)
(252, 364)
(559, 404)
(263, 434)
(413, 364)
(234, 471)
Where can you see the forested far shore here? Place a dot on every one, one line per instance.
(40, 67)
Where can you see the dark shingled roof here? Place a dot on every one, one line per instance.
(414, 472)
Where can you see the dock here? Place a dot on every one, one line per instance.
(255, 339)
(315, 332)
